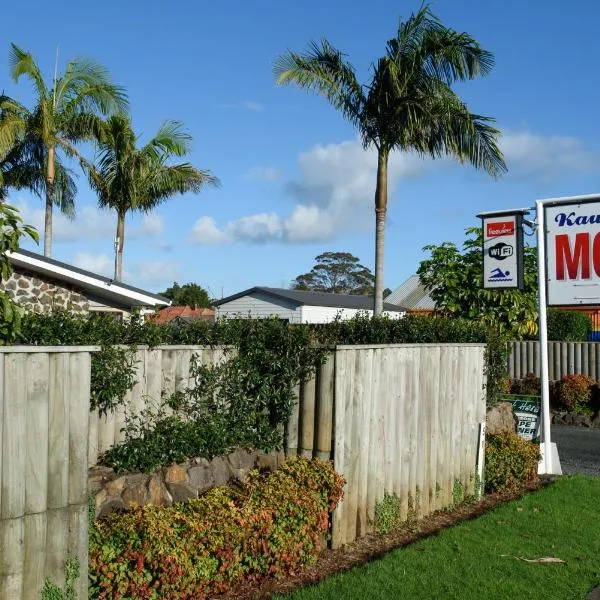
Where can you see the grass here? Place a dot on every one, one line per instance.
(476, 559)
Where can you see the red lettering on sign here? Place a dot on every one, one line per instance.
(500, 228)
(576, 259)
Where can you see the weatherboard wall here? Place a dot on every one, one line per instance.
(326, 314)
(259, 305)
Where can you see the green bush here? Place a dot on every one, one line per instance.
(568, 325)
(196, 550)
(387, 513)
(510, 462)
(529, 386)
(574, 393)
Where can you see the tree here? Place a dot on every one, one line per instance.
(337, 273)
(454, 280)
(127, 178)
(408, 103)
(65, 113)
(189, 294)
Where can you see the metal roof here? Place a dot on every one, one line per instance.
(314, 299)
(101, 286)
(412, 295)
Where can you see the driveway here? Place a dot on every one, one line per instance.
(578, 449)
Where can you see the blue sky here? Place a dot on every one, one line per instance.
(295, 181)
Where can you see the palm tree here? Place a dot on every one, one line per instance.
(128, 178)
(407, 104)
(22, 159)
(65, 113)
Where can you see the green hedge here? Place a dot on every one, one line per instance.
(196, 550)
(568, 325)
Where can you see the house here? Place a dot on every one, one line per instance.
(296, 306)
(42, 284)
(183, 314)
(413, 297)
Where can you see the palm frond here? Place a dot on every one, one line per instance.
(171, 139)
(324, 70)
(22, 63)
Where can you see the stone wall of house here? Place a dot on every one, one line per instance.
(42, 295)
(177, 483)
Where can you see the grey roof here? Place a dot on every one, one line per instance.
(314, 299)
(412, 295)
(113, 286)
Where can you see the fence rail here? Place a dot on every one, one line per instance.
(44, 413)
(564, 358)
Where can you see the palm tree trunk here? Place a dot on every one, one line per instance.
(380, 214)
(49, 201)
(119, 242)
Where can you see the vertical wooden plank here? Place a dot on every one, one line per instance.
(307, 417)
(118, 420)
(578, 358)
(363, 400)
(341, 383)
(182, 375)
(78, 545)
(550, 361)
(592, 360)
(167, 373)
(154, 375)
(57, 543)
(398, 400)
(529, 348)
(324, 422)
(106, 431)
(34, 554)
(414, 409)
(570, 358)
(404, 415)
(138, 392)
(93, 445)
(557, 359)
(371, 428)
(423, 400)
(293, 426)
(518, 369)
(12, 533)
(14, 432)
(446, 411)
(388, 385)
(58, 431)
(434, 432)
(351, 451)
(79, 393)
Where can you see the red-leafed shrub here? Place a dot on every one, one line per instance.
(575, 393)
(268, 528)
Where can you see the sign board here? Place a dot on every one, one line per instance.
(573, 253)
(503, 251)
(527, 412)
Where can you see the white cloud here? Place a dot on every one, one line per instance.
(333, 194)
(150, 226)
(546, 158)
(206, 232)
(90, 222)
(97, 263)
(250, 105)
(264, 174)
(155, 272)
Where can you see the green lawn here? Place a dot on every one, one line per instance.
(468, 562)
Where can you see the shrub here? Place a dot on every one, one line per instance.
(575, 393)
(196, 550)
(529, 386)
(568, 325)
(510, 462)
(387, 513)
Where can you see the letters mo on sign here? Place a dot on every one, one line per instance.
(573, 253)
(503, 251)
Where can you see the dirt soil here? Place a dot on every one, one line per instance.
(373, 547)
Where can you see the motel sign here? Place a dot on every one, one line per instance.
(573, 253)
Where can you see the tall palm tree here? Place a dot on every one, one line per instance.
(407, 104)
(22, 159)
(65, 113)
(128, 178)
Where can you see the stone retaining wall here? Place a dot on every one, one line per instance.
(177, 483)
(566, 418)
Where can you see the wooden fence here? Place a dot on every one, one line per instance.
(44, 413)
(399, 419)
(160, 372)
(564, 358)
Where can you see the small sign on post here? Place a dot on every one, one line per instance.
(527, 411)
(503, 250)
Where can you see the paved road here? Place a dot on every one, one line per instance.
(578, 449)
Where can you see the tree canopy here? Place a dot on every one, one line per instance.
(189, 294)
(454, 279)
(337, 273)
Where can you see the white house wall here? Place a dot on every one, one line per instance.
(260, 306)
(326, 314)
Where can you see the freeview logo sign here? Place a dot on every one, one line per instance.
(502, 251)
